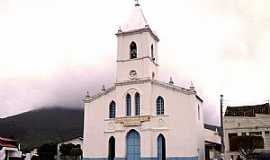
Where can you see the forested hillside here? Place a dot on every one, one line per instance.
(48, 125)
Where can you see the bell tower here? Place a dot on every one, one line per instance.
(137, 50)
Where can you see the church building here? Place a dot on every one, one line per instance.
(141, 117)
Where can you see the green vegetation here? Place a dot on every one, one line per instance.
(247, 145)
(47, 151)
(47, 125)
(70, 151)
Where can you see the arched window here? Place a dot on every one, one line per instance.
(111, 153)
(161, 147)
(137, 103)
(128, 105)
(112, 109)
(152, 52)
(133, 50)
(160, 105)
(133, 145)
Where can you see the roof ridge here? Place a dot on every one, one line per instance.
(173, 86)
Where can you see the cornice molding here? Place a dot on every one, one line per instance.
(100, 94)
(140, 81)
(138, 31)
(135, 81)
(87, 100)
(136, 59)
(248, 128)
(174, 87)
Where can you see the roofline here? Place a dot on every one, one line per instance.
(66, 140)
(174, 87)
(10, 148)
(256, 116)
(8, 139)
(159, 83)
(199, 98)
(140, 81)
(206, 141)
(136, 31)
(245, 107)
(254, 105)
(100, 94)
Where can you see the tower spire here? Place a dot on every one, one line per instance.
(137, 3)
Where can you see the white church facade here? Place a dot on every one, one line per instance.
(140, 117)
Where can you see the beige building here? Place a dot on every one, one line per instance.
(245, 121)
(212, 142)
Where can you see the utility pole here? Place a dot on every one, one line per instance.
(221, 125)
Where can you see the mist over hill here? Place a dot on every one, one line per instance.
(46, 125)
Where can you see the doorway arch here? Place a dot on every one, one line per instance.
(111, 155)
(161, 147)
(133, 145)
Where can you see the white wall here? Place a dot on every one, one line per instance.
(94, 138)
(212, 136)
(180, 124)
(143, 40)
(12, 152)
(145, 66)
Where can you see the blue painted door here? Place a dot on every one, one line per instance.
(133, 145)
(161, 148)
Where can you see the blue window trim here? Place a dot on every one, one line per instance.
(112, 110)
(128, 105)
(137, 103)
(160, 106)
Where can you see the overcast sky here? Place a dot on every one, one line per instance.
(52, 51)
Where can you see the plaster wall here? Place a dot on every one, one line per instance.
(180, 125)
(144, 65)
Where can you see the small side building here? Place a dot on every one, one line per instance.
(244, 121)
(212, 142)
(9, 149)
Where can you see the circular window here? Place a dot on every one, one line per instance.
(132, 74)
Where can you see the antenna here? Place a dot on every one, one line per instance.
(221, 124)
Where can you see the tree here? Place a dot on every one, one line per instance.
(247, 145)
(70, 150)
(65, 149)
(263, 156)
(47, 151)
(35, 158)
(76, 152)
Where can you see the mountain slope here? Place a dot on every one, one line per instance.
(41, 126)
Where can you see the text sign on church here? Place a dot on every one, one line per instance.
(132, 121)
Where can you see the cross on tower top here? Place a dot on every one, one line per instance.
(137, 3)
